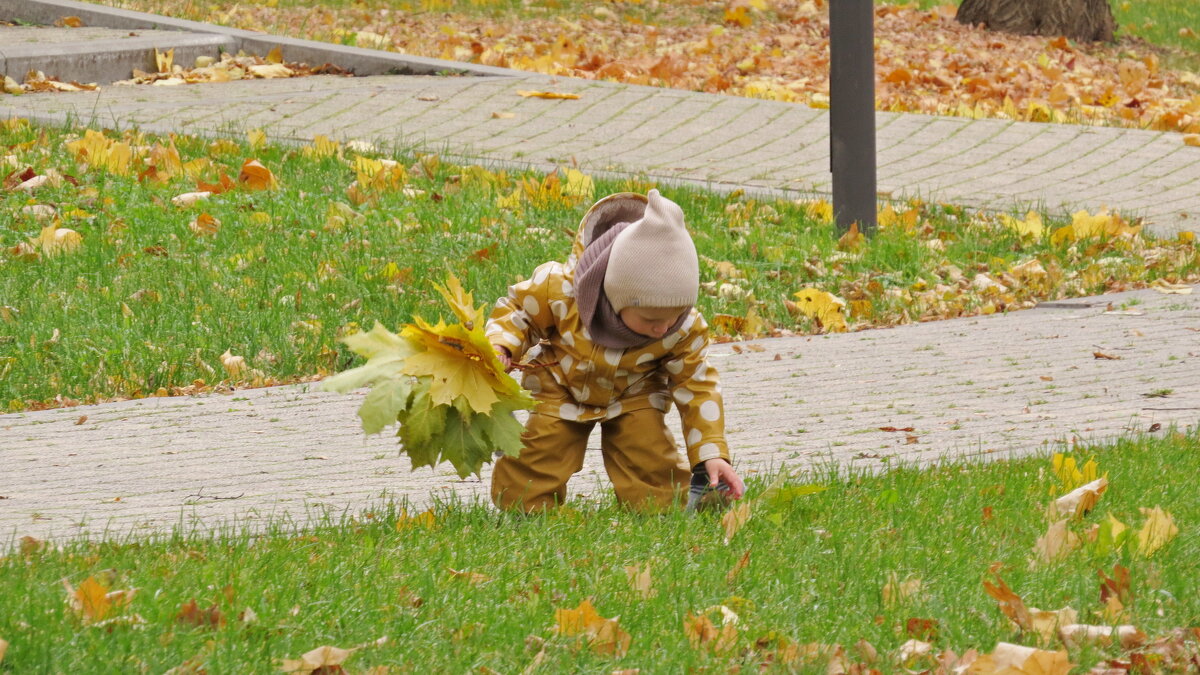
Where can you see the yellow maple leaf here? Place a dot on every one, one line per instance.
(826, 308)
(461, 303)
(1084, 226)
(605, 636)
(54, 239)
(164, 61)
(1031, 226)
(1159, 529)
(579, 185)
(460, 363)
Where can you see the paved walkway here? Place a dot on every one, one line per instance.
(999, 384)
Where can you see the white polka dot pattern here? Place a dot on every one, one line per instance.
(581, 381)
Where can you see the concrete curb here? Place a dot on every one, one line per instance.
(106, 61)
(355, 59)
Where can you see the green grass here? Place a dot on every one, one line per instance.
(145, 306)
(818, 565)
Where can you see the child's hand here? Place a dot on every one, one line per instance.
(505, 357)
(721, 470)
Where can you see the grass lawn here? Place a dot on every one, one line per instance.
(881, 558)
(109, 289)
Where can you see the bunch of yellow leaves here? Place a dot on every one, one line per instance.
(442, 383)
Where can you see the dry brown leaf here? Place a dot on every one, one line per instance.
(3, 649)
(604, 636)
(189, 198)
(235, 366)
(1058, 541)
(1079, 501)
(1128, 637)
(190, 613)
(1116, 586)
(896, 592)
(323, 659)
(640, 579)
(499, 115)
(472, 578)
(1011, 659)
(30, 545)
(734, 519)
(1010, 603)
(737, 568)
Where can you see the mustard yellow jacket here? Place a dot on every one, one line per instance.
(538, 321)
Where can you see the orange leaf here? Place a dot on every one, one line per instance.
(190, 613)
(1011, 604)
(255, 176)
(547, 94)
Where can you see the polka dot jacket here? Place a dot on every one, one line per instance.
(581, 381)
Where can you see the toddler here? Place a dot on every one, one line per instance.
(613, 337)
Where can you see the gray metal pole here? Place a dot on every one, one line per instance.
(852, 112)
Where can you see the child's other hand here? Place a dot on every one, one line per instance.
(505, 357)
(721, 470)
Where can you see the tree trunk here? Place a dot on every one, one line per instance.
(1079, 20)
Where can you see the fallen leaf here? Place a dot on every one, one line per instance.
(703, 634)
(1011, 604)
(30, 545)
(737, 568)
(546, 94)
(164, 61)
(1076, 635)
(324, 660)
(255, 176)
(1011, 659)
(235, 366)
(604, 636)
(189, 198)
(905, 429)
(426, 520)
(503, 115)
(3, 649)
(1163, 286)
(734, 519)
(640, 579)
(190, 613)
(472, 578)
(1158, 530)
(826, 309)
(1079, 501)
(82, 418)
(204, 225)
(1102, 355)
(1058, 541)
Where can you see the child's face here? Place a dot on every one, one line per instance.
(651, 321)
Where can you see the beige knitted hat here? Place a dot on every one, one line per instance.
(653, 261)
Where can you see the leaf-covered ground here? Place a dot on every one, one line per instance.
(777, 49)
(906, 571)
(133, 265)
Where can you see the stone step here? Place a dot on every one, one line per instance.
(99, 55)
